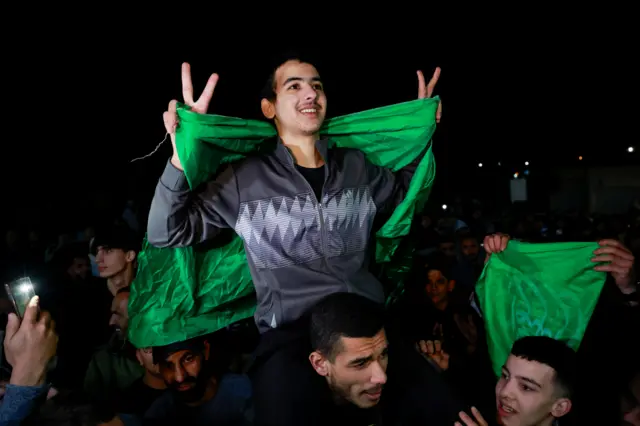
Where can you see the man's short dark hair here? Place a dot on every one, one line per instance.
(117, 237)
(269, 90)
(554, 353)
(343, 315)
(438, 262)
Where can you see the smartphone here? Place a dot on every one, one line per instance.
(20, 292)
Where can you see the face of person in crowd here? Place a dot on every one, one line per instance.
(438, 288)
(120, 314)
(448, 248)
(79, 269)
(112, 261)
(527, 394)
(300, 104)
(145, 358)
(470, 248)
(357, 372)
(184, 373)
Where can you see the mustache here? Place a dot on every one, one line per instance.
(374, 390)
(187, 381)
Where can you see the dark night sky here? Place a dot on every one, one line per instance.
(90, 103)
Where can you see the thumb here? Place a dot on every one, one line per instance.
(13, 324)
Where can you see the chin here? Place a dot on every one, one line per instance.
(310, 131)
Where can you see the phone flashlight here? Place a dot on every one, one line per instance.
(20, 291)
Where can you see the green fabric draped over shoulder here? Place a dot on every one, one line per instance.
(181, 293)
(538, 290)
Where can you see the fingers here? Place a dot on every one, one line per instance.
(481, 421)
(437, 346)
(13, 324)
(422, 88)
(430, 347)
(426, 90)
(432, 83)
(187, 85)
(613, 243)
(495, 243)
(616, 251)
(423, 346)
(31, 312)
(612, 267)
(466, 419)
(207, 93)
(45, 320)
(620, 261)
(439, 112)
(170, 117)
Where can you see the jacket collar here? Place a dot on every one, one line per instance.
(283, 153)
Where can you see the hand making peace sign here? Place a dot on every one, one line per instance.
(200, 106)
(426, 91)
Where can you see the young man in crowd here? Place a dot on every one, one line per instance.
(197, 393)
(536, 385)
(293, 270)
(353, 376)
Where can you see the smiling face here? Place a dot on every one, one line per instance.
(300, 104)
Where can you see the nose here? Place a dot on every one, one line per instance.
(507, 389)
(179, 374)
(113, 320)
(99, 256)
(378, 376)
(310, 94)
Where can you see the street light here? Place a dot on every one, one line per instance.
(526, 163)
(479, 164)
(630, 149)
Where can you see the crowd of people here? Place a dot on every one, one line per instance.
(333, 340)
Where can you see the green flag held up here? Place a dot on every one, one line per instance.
(538, 290)
(180, 293)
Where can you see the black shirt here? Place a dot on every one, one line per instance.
(315, 177)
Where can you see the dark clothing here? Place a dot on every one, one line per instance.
(288, 391)
(602, 374)
(231, 406)
(315, 178)
(137, 398)
(300, 247)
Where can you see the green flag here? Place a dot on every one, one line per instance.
(538, 290)
(180, 293)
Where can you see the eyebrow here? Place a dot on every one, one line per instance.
(366, 359)
(530, 381)
(359, 361)
(524, 379)
(290, 79)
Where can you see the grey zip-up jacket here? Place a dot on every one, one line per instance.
(299, 249)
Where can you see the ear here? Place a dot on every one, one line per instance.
(452, 285)
(319, 363)
(207, 350)
(138, 356)
(561, 407)
(268, 109)
(130, 256)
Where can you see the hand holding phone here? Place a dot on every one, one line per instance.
(20, 292)
(30, 344)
